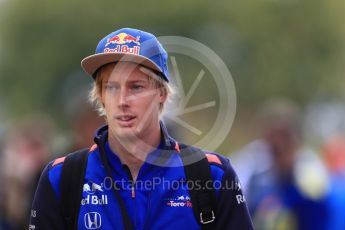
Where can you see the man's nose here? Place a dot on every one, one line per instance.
(123, 101)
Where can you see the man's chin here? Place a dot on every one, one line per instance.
(128, 133)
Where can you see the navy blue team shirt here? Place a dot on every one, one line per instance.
(159, 199)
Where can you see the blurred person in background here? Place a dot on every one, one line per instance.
(23, 156)
(285, 183)
(334, 155)
(84, 122)
(2, 220)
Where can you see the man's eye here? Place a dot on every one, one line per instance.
(137, 87)
(110, 87)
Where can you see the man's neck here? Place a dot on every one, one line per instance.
(133, 152)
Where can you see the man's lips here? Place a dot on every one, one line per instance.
(125, 120)
(125, 117)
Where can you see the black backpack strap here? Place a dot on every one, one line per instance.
(198, 171)
(71, 184)
(100, 140)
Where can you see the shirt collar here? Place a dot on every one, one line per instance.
(167, 142)
(160, 156)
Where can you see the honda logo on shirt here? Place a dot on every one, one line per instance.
(92, 220)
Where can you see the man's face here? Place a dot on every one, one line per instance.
(131, 100)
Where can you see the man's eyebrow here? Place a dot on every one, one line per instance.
(107, 81)
(136, 81)
(128, 82)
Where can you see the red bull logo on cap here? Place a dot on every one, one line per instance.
(121, 40)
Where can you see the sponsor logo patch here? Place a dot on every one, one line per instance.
(179, 201)
(94, 194)
(92, 220)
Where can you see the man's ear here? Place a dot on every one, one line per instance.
(162, 95)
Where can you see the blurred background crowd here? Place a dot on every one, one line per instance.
(286, 57)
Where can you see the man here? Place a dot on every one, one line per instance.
(132, 170)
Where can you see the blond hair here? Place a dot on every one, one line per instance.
(157, 81)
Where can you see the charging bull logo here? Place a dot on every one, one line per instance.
(92, 188)
(123, 43)
(123, 38)
(183, 198)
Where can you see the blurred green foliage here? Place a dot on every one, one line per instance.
(292, 48)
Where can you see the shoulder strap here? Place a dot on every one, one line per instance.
(197, 169)
(72, 179)
(125, 216)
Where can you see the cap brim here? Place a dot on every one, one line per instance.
(93, 62)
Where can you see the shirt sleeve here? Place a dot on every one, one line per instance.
(45, 212)
(232, 211)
